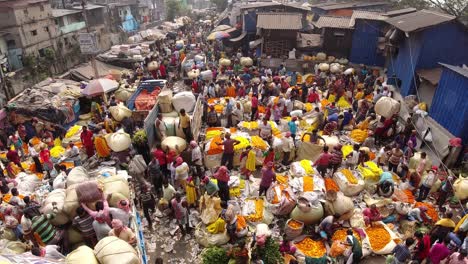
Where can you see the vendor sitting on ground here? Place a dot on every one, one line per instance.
(386, 184)
(371, 215)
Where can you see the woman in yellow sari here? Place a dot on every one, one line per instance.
(191, 192)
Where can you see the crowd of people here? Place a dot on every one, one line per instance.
(174, 180)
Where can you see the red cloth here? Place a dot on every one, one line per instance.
(160, 156)
(222, 176)
(324, 159)
(12, 155)
(313, 97)
(254, 102)
(269, 157)
(87, 138)
(162, 70)
(229, 146)
(426, 241)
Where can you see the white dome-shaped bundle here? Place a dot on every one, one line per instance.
(387, 107)
(224, 62)
(335, 67)
(118, 141)
(57, 196)
(193, 74)
(324, 66)
(461, 188)
(321, 56)
(206, 75)
(348, 71)
(199, 58)
(165, 96)
(184, 100)
(246, 61)
(153, 66)
(171, 142)
(120, 111)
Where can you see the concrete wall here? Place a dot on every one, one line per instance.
(34, 13)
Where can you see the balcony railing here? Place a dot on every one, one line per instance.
(72, 27)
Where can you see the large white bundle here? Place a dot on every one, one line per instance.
(118, 141)
(224, 62)
(83, 254)
(324, 66)
(117, 186)
(77, 175)
(309, 210)
(321, 56)
(57, 196)
(123, 94)
(153, 66)
(296, 113)
(112, 250)
(12, 247)
(27, 183)
(207, 75)
(184, 100)
(343, 61)
(170, 125)
(206, 239)
(349, 189)
(120, 111)
(171, 142)
(335, 67)
(115, 49)
(165, 108)
(165, 96)
(246, 61)
(179, 132)
(330, 141)
(199, 58)
(387, 107)
(193, 74)
(461, 188)
(349, 71)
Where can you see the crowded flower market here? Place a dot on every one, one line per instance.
(208, 151)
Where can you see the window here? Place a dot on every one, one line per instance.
(46, 29)
(66, 41)
(34, 32)
(41, 7)
(25, 11)
(56, 22)
(11, 44)
(42, 52)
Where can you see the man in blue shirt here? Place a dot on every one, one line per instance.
(293, 128)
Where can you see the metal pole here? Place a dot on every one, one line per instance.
(93, 59)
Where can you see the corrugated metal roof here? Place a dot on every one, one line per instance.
(333, 22)
(399, 12)
(63, 12)
(334, 6)
(19, 3)
(460, 70)
(359, 14)
(273, 3)
(288, 21)
(419, 20)
(430, 75)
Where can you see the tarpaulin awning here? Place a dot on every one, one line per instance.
(239, 37)
(286, 21)
(430, 75)
(309, 40)
(85, 72)
(255, 43)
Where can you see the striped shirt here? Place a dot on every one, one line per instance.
(42, 226)
(402, 253)
(85, 225)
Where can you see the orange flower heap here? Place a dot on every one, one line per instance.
(431, 211)
(341, 235)
(378, 237)
(330, 184)
(312, 248)
(294, 224)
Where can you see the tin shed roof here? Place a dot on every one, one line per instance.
(287, 21)
(333, 22)
(358, 14)
(399, 12)
(460, 70)
(419, 20)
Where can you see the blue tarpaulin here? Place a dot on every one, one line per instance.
(130, 24)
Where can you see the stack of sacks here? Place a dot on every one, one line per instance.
(184, 100)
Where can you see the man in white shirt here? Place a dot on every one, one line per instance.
(197, 158)
(289, 104)
(160, 127)
(73, 153)
(35, 156)
(287, 147)
(427, 182)
(265, 130)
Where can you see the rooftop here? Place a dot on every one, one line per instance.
(271, 4)
(460, 70)
(63, 12)
(399, 12)
(333, 22)
(88, 7)
(19, 3)
(286, 21)
(419, 20)
(359, 14)
(334, 6)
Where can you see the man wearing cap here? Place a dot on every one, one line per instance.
(427, 184)
(268, 177)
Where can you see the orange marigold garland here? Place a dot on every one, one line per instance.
(431, 211)
(378, 237)
(330, 184)
(312, 248)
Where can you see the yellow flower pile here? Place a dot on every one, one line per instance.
(349, 176)
(250, 125)
(213, 133)
(258, 142)
(244, 143)
(308, 107)
(358, 135)
(342, 103)
(312, 248)
(281, 179)
(378, 237)
(258, 215)
(307, 165)
(72, 131)
(236, 191)
(371, 171)
(275, 131)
